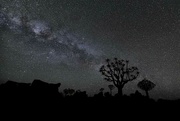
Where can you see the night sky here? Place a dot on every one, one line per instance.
(67, 41)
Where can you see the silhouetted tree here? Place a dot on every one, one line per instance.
(69, 92)
(107, 94)
(101, 90)
(119, 72)
(65, 92)
(100, 94)
(111, 87)
(146, 85)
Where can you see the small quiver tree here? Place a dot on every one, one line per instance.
(146, 85)
(111, 87)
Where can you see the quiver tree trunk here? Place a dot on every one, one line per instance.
(147, 94)
(120, 91)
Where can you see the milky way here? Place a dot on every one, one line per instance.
(40, 40)
(67, 40)
(41, 48)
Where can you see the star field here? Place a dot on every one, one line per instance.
(67, 40)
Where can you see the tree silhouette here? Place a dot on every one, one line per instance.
(146, 85)
(111, 87)
(119, 72)
(101, 90)
(69, 92)
(100, 94)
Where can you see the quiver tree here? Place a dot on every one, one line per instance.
(119, 73)
(101, 91)
(146, 85)
(111, 87)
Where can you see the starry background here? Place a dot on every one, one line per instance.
(68, 40)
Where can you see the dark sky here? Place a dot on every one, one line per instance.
(68, 40)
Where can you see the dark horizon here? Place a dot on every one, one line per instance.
(67, 41)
